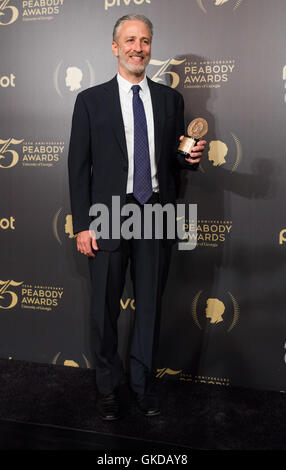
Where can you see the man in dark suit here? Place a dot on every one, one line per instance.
(124, 140)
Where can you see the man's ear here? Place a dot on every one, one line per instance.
(114, 48)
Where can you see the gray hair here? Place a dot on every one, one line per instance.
(132, 17)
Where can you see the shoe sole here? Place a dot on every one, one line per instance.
(155, 413)
(109, 418)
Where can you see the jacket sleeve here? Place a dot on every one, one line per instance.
(183, 164)
(79, 166)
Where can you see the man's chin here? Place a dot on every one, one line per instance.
(140, 71)
(137, 69)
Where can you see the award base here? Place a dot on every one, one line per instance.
(186, 145)
(185, 154)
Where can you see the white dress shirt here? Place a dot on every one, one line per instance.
(126, 97)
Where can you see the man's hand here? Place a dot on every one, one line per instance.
(197, 151)
(85, 242)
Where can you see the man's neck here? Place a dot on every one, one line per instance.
(132, 78)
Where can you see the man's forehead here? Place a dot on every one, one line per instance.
(134, 28)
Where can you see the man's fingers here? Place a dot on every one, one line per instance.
(94, 244)
(193, 160)
(197, 152)
(194, 157)
(198, 148)
(86, 242)
(85, 248)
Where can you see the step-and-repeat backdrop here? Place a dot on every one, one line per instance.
(224, 317)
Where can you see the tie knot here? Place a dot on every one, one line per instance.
(136, 89)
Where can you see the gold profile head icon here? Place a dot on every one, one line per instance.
(217, 152)
(214, 310)
(73, 78)
(69, 226)
(70, 363)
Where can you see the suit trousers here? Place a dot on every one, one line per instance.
(149, 259)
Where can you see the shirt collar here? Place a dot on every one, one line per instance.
(126, 85)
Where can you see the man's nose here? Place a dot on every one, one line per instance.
(137, 46)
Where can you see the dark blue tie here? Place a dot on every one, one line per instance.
(142, 183)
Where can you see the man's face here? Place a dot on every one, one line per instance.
(133, 48)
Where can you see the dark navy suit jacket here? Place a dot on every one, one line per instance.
(98, 161)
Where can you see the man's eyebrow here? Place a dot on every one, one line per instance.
(133, 36)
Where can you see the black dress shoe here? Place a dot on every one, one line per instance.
(108, 406)
(148, 403)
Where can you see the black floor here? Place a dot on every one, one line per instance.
(23, 436)
(47, 407)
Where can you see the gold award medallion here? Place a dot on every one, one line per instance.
(196, 130)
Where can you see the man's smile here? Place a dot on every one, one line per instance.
(136, 58)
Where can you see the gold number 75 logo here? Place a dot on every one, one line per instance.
(15, 13)
(5, 149)
(163, 70)
(4, 292)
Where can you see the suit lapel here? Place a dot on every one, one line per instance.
(158, 105)
(113, 104)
